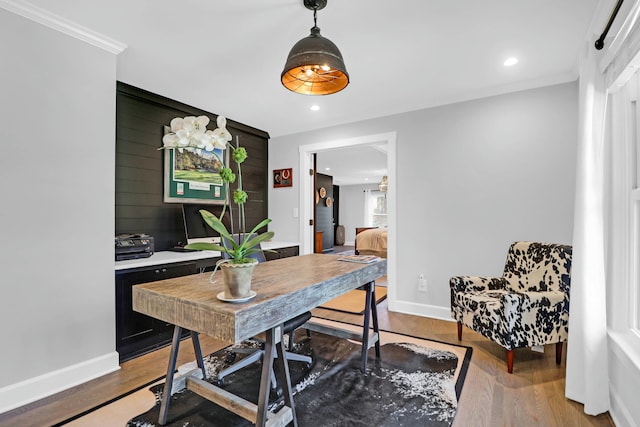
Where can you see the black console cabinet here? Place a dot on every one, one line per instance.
(136, 333)
(284, 252)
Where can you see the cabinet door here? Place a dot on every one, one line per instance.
(137, 333)
(131, 326)
(288, 252)
(282, 253)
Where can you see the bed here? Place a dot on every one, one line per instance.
(371, 241)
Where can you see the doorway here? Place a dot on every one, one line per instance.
(307, 195)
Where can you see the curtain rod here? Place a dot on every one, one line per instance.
(600, 42)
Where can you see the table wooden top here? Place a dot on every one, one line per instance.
(285, 288)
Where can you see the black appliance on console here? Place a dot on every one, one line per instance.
(133, 246)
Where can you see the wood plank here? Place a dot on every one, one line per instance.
(281, 418)
(235, 404)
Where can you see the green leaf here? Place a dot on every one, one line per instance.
(263, 223)
(258, 239)
(215, 223)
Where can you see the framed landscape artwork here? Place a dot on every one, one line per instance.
(194, 177)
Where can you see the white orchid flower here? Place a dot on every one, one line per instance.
(223, 133)
(183, 137)
(176, 124)
(170, 140)
(209, 146)
(202, 122)
(190, 133)
(202, 140)
(221, 121)
(217, 141)
(189, 123)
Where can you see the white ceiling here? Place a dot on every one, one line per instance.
(226, 56)
(354, 165)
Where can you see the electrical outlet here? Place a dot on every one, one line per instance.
(422, 283)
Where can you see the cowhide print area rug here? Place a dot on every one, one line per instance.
(416, 382)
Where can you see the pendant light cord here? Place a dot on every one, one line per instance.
(600, 42)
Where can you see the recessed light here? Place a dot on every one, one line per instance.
(327, 169)
(510, 61)
(315, 107)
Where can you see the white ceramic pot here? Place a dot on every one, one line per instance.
(237, 279)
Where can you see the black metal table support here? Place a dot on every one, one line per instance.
(274, 338)
(171, 368)
(370, 313)
(198, 352)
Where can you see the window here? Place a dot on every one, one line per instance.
(625, 189)
(375, 214)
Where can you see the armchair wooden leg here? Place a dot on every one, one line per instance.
(558, 353)
(459, 331)
(510, 361)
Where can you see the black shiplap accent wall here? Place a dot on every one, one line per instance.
(139, 207)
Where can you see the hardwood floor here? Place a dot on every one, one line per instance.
(532, 396)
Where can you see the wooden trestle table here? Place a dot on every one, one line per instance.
(285, 288)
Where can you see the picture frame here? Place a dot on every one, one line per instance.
(282, 178)
(192, 177)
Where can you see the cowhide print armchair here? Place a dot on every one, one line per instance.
(528, 306)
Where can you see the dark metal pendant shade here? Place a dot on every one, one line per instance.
(315, 66)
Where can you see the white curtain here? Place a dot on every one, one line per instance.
(366, 213)
(587, 379)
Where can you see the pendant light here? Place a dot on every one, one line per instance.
(384, 184)
(314, 65)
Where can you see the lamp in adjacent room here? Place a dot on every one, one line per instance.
(315, 65)
(384, 184)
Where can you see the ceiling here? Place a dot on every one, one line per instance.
(226, 56)
(354, 165)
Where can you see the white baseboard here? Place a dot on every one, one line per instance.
(423, 310)
(28, 391)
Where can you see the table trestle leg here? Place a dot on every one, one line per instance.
(284, 376)
(285, 415)
(198, 352)
(168, 384)
(374, 314)
(370, 310)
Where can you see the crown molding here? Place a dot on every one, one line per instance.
(58, 23)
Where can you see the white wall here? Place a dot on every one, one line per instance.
(352, 202)
(57, 112)
(471, 178)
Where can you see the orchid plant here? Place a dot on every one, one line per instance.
(190, 133)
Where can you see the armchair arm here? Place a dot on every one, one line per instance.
(529, 300)
(476, 283)
(535, 318)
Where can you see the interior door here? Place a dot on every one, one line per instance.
(324, 211)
